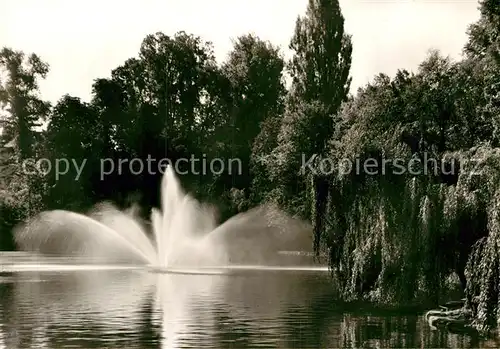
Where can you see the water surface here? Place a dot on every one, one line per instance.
(135, 308)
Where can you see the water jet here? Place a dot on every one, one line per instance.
(185, 235)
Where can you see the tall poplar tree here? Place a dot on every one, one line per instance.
(320, 83)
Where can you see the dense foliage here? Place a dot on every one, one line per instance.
(393, 234)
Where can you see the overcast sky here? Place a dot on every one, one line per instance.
(84, 40)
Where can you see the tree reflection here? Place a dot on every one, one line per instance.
(125, 309)
(81, 310)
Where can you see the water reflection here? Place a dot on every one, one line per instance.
(135, 309)
(80, 309)
(176, 297)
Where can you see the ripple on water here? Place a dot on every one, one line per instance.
(119, 308)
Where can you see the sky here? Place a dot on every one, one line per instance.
(85, 39)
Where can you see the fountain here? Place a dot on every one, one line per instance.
(185, 234)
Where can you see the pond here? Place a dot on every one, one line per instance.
(131, 307)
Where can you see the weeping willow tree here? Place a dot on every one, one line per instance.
(482, 268)
(396, 238)
(414, 197)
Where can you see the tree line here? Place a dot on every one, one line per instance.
(389, 237)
